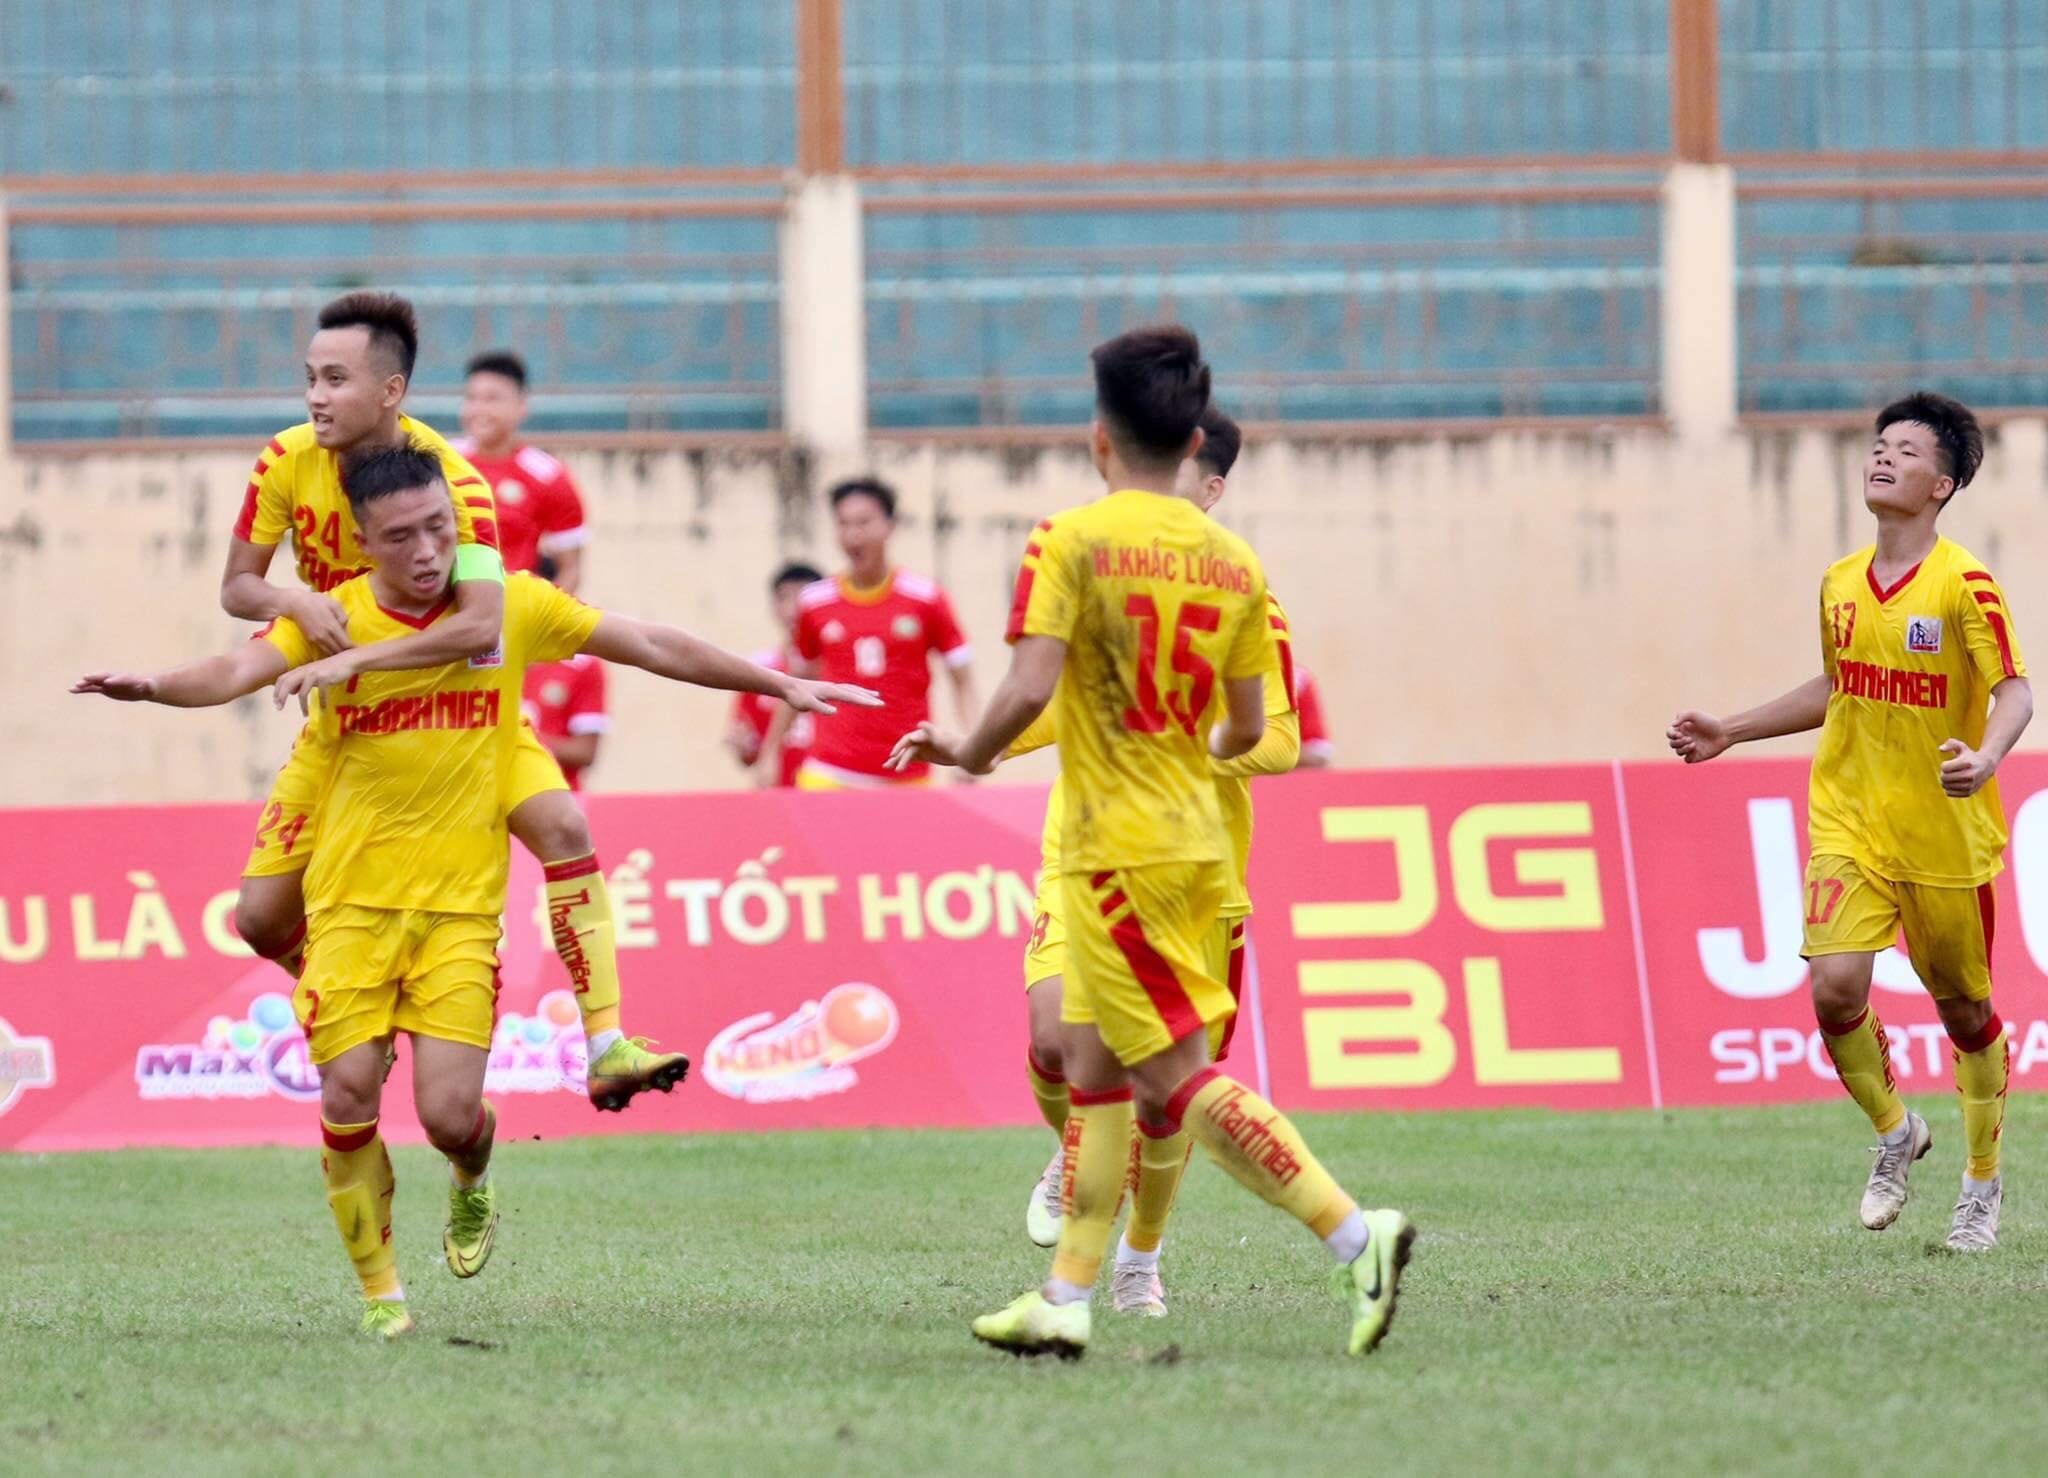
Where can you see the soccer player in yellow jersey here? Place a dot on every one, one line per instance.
(1150, 622)
(1922, 692)
(1135, 1286)
(358, 367)
(407, 888)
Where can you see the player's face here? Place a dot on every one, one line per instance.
(493, 409)
(1198, 483)
(348, 387)
(864, 528)
(411, 538)
(1903, 472)
(784, 603)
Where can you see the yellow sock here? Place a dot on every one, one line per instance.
(359, 1190)
(580, 918)
(1162, 1156)
(1983, 1064)
(1098, 1139)
(1050, 1089)
(1862, 1054)
(1260, 1148)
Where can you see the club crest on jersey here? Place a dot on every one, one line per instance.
(905, 626)
(511, 490)
(1923, 634)
(495, 657)
(833, 631)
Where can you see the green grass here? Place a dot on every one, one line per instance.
(1669, 1293)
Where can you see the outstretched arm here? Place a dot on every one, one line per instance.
(206, 683)
(1697, 737)
(668, 651)
(472, 629)
(1035, 663)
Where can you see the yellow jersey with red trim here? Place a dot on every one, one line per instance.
(1913, 666)
(296, 490)
(1234, 793)
(1158, 605)
(412, 815)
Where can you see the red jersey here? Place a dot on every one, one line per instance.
(1308, 702)
(539, 510)
(566, 699)
(882, 639)
(753, 712)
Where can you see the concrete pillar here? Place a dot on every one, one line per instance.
(824, 316)
(6, 340)
(1698, 299)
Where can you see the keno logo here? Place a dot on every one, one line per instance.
(264, 1054)
(808, 1054)
(25, 1062)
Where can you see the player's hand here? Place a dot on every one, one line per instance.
(928, 744)
(315, 677)
(1697, 737)
(1966, 771)
(122, 687)
(324, 622)
(807, 695)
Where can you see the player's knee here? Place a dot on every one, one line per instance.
(449, 1119)
(349, 1095)
(1840, 990)
(1047, 1047)
(267, 924)
(1963, 1019)
(552, 828)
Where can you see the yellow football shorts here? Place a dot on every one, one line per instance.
(1045, 953)
(1142, 952)
(534, 771)
(1850, 910)
(810, 777)
(289, 820)
(1045, 956)
(372, 971)
(285, 827)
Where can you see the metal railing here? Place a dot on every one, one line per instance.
(1372, 208)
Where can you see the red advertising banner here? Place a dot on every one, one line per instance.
(1720, 856)
(826, 960)
(1590, 936)
(1447, 939)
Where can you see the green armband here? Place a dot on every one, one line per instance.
(479, 562)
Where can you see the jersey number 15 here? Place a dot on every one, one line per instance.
(1185, 702)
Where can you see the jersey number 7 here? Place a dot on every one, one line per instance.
(1183, 708)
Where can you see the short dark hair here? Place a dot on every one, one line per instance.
(1954, 426)
(393, 326)
(1151, 386)
(1221, 440)
(796, 572)
(497, 362)
(368, 476)
(865, 487)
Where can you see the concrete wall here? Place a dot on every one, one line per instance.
(1503, 597)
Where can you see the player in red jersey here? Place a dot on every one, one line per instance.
(884, 624)
(564, 701)
(1316, 749)
(747, 735)
(540, 512)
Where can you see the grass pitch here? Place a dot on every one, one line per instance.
(1674, 1293)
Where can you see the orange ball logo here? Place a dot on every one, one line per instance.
(858, 1018)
